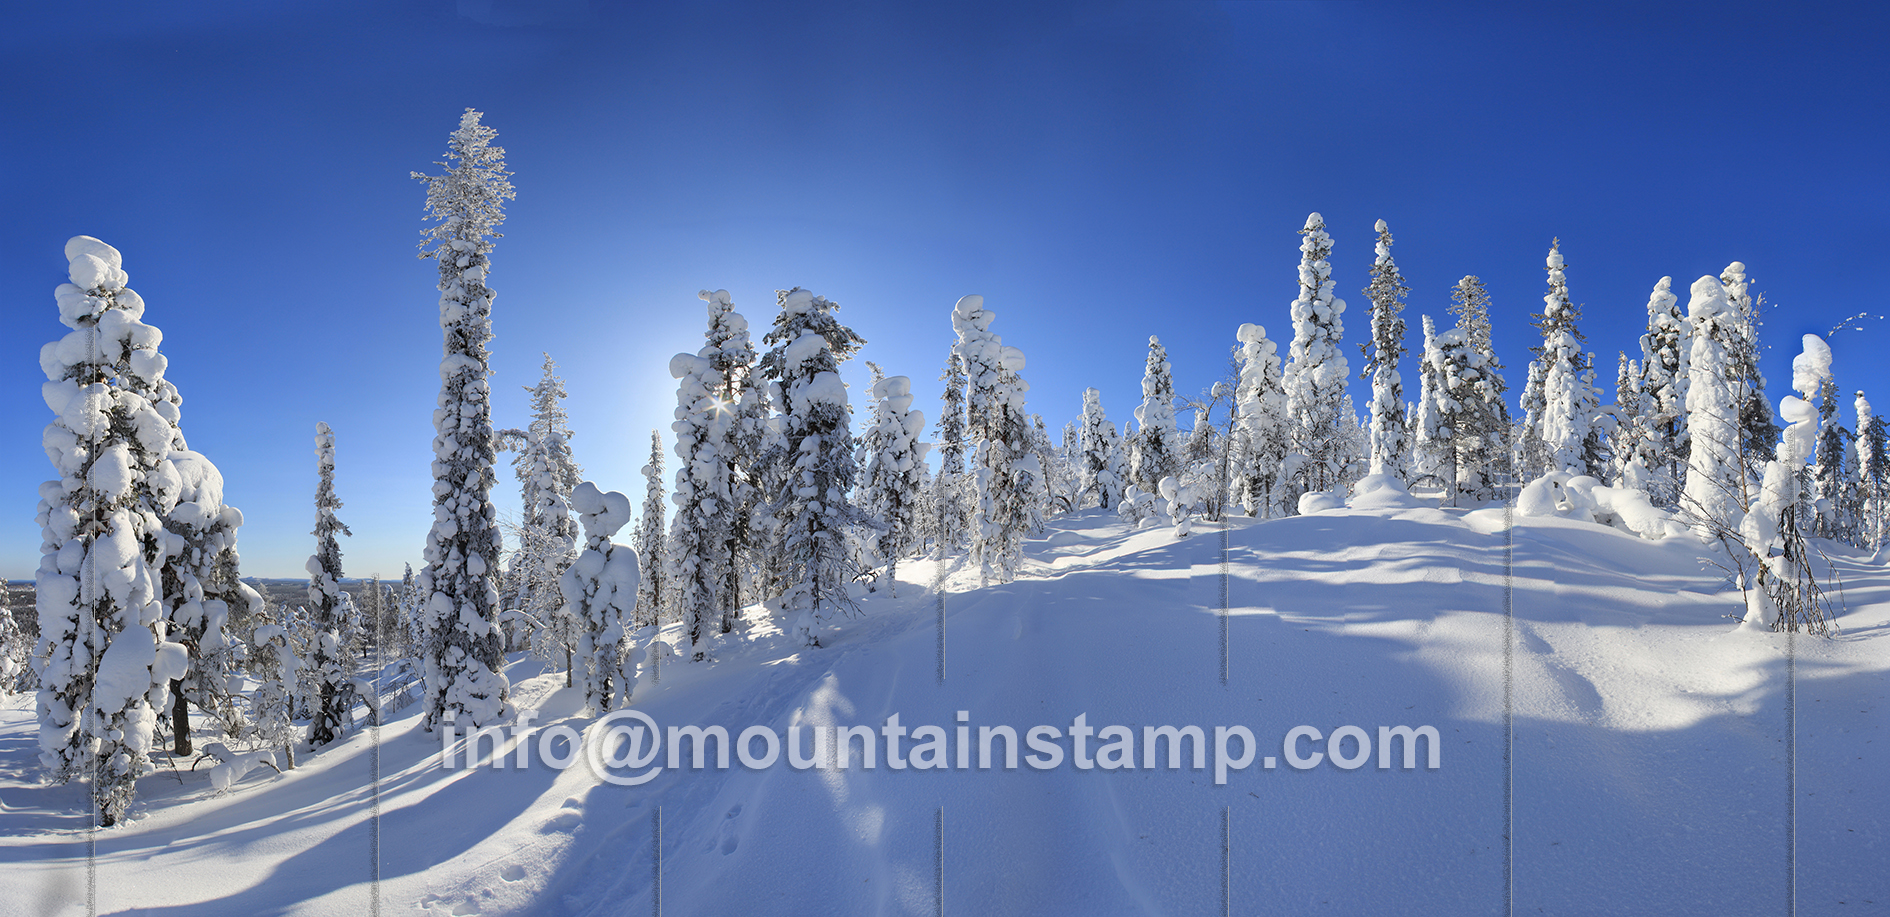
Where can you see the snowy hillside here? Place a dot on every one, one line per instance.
(1650, 757)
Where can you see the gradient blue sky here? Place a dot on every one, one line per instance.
(1100, 172)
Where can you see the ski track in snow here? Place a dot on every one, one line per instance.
(1649, 752)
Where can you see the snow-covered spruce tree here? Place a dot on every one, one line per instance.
(894, 469)
(1530, 452)
(650, 542)
(1666, 355)
(1872, 473)
(1054, 490)
(1481, 428)
(464, 677)
(1786, 595)
(16, 649)
(1154, 453)
(1568, 413)
(1627, 467)
(696, 568)
(333, 660)
(547, 535)
(1715, 479)
(1262, 438)
(1007, 471)
(205, 598)
(411, 604)
(275, 665)
(1829, 475)
(812, 514)
(1758, 426)
(951, 527)
(1460, 401)
(1316, 373)
(700, 527)
(601, 590)
(731, 353)
(1432, 455)
(105, 664)
(1390, 441)
(1102, 473)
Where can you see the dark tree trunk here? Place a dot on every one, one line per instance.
(180, 720)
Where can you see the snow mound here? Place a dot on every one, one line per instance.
(1319, 501)
(1582, 498)
(1381, 492)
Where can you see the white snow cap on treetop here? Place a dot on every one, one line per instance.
(1314, 221)
(798, 302)
(1379, 226)
(1811, 368)
(970, 308)
(1555, 261)
(601, 513)
(720, 296)
(1709, 298)
(1251, 333)
(94, 265)
(893, 387)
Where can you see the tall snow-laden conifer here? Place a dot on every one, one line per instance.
(1786, 595)
(1829, 476)
(1758, 426)
(1155, 453)
(1481, 426)
(1715, 480)
(1102, 474)
(464, 675)
(895, 467)
(1389, 437)
(333, 660)
(1666, 361)
(1007, 473)
(697, 570)
(1628, 467)
(1262, 437)
(1568, 399)
(730, 350)
(951, 527)
(812, 515)
(1319, 423)
(103, 659)
(1873, 475)
(1432, 455)
(547, 474)
(650, 542)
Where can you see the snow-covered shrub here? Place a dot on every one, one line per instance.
(600, 593)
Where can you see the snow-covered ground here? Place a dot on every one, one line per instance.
(1650, 766)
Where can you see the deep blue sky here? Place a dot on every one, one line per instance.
(1100, 172)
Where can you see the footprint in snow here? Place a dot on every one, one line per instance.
(512, 872)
